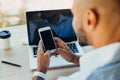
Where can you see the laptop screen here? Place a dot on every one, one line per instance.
(60, 22)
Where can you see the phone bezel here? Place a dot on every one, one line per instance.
(44, 29)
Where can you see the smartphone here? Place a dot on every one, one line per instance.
(47, 39)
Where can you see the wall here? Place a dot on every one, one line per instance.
(49, 4)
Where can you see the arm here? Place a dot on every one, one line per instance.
(76, 59)
(43, 60)
(37, 78)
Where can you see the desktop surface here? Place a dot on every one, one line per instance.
(19, 54)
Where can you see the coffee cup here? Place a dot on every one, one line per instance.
(5, 39)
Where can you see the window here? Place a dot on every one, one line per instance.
(12, 12)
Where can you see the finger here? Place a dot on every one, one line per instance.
(60, 43)
(47, 54)
(61, 51)
(54, 54)
(40, 48)
(57, 39)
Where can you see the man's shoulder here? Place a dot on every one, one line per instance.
(107, 72)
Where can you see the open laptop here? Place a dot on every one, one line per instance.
(60, 22)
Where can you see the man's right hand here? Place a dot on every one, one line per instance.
(65, 52)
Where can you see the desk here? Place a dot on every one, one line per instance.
(19, 54)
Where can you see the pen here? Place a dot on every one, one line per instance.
(13, 64)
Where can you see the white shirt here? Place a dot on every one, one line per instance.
(100, 64)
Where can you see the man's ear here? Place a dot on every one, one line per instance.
(90, 20)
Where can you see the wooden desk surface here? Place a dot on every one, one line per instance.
(19, 54)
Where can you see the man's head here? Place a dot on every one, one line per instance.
(97, 22)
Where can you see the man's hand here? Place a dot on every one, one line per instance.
(65, 52)
(43, 59)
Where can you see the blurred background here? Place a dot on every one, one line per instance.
(12, 12)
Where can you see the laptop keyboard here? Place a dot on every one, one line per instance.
(73, 47)
(35, 51)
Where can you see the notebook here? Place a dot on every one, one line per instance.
(60, 22)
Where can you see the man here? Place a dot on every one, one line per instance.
(97, 23)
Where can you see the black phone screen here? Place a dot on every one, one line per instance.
(47, 39)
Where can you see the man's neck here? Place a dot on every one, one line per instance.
(104, 36)
(105, 40)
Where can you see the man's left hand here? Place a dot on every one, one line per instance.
(43, 59)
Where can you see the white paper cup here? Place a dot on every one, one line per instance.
(5, 39)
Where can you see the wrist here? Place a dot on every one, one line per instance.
(75, 59)
(39, 75)
(42, 70)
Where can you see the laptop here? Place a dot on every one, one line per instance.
(60, 22)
